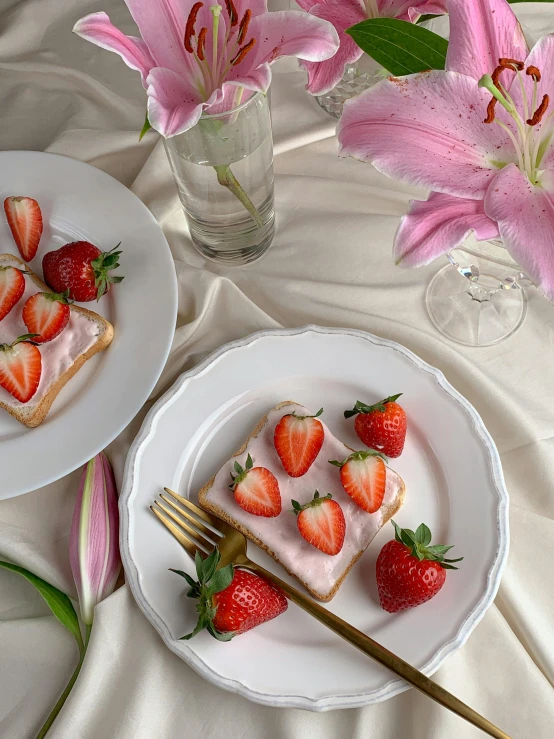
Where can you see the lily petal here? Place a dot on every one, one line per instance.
(525, 217)
(433, 117)
(437, 225)
(482, 31)
(290, 33)
(174, 105)
(323, 76)
(98, 29)
(93, 540)
(542, 57)
(410, 10)
(162, 26)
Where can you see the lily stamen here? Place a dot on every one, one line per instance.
(232, 12)
(533, 72)
(243, 28)
(490, 110)
(540, 111)
(189, 28)
(201, 45)
(509, 63)
(243, 52)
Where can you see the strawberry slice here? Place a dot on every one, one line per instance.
(46, 315)
(256, 490)
(298, 441)
(25, 221)
(321, 522)
(12, 287)
(20, 368)
(364, 477)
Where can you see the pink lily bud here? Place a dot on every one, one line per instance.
(93, 541)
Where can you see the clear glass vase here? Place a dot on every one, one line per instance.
(478, 298)
(223, 168)
(357, 77)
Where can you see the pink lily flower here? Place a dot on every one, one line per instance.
(200, 56)
(479, 133)
(324, 75)
(93, 540)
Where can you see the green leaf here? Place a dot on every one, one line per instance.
(146, 127)
(399, 46)
(220, 635)
(397, 532)
(58, 602)
(221, 579)
(249, 462)
(199, 562)
(423, 535)
(439, 550)
(187, 577)
(336, 463)
(210, 564)
(238, 468)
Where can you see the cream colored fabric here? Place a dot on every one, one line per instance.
(330, 264)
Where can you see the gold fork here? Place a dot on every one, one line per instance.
(207, 531)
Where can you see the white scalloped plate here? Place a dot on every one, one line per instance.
(454, 483)
(81, 202)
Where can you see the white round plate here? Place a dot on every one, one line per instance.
(454, 484)
(81, 202)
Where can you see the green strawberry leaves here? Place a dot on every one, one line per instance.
(359, 457)
(241, 473)
(58, 602)
(211, 580)
(317, 500)
(419, 542)
(363, 408)
(301, 418)
(107, 261)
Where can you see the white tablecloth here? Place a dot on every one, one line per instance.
(330, 264)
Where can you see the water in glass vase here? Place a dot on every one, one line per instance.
(223, 168)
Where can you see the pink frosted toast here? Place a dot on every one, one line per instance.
(320, 573)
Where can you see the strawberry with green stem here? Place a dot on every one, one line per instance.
(256, 489)
(20, 368)
(298, 441)
(411, 571)
(230, 601)
(381, 426)
(364, 478)
(321, 523)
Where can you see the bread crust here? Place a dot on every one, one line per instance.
(387, 511)
(103, 341)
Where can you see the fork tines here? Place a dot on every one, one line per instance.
(176, 512)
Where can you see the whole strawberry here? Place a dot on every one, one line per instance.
(381, 426)
(409, 570)
(81, 270)
(230, 601)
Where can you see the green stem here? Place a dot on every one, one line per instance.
(58, 707)
(226, 178)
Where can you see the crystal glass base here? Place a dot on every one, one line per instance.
(479, 298)
(356, 78)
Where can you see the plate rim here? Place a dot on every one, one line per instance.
(355, 700)
(172, 293)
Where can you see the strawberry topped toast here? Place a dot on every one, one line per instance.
(306, 498)
(44, 341)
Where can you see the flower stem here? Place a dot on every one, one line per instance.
(58, 707)
(226, 178)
